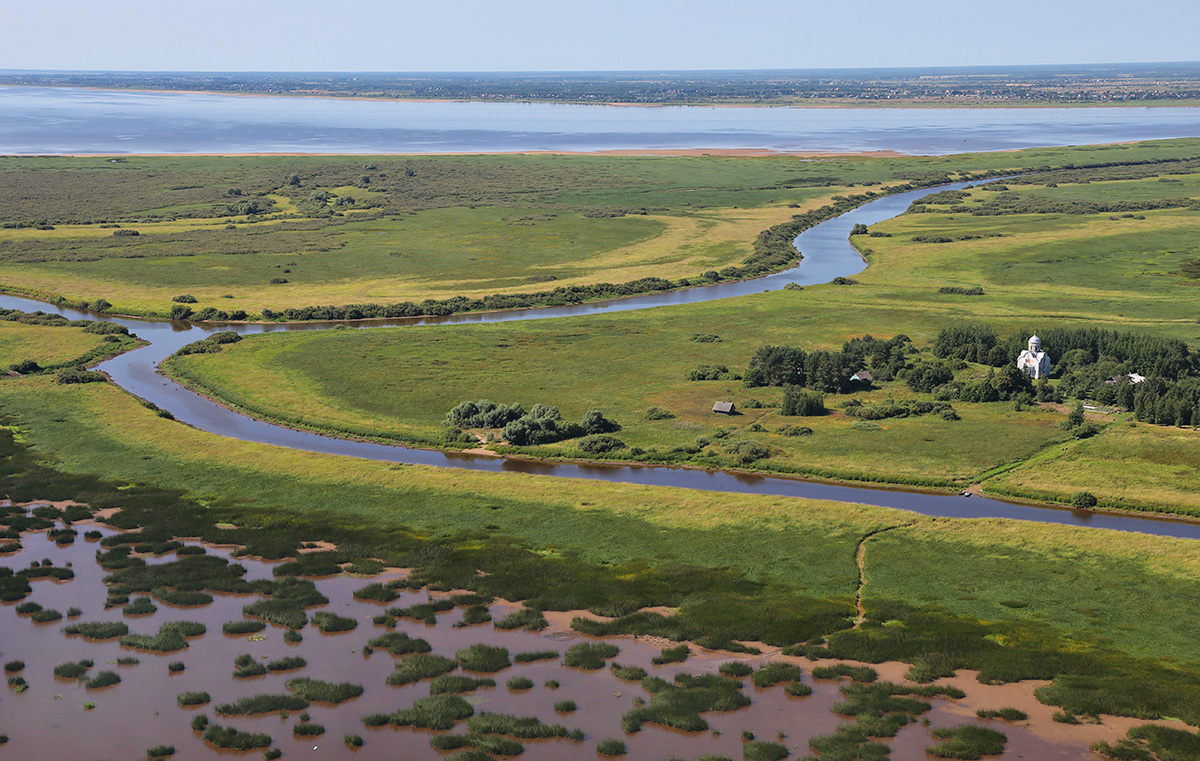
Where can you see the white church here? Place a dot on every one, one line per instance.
(1033, 361)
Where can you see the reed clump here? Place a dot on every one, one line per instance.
(525, 618)
(628, 673)
(245, 626)
(323, 692)
(864, 674)
(245, 666)
(98, 629)
(774, 673)
(192, 698)
(420, 666)
(677, 654)
(228, 737)
(524, 727)
(967, 742)
(589, 656)
(679, 705)
(266, 703)
(536, 655)
(433, 712)
(399, 643)
(458, 683)
(286, 663)
(487, 659)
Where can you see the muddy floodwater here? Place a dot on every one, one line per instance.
(51, 719)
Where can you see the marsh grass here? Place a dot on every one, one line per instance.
(332, 622)
(677, 654)
(863, 674)
(524, 727)
(192, 698)
(486, 744)
(590, 656)
(537, 655)
(323, 692)
(245, 666)
(420, 666)
(1007, 714)
(103, 679)
(565, 706)
(171, 636)
(287, 663)
(72, 670)
(308, 729)
(433, 712)
(628, 673)
(399, 643)
(679, 705)
(735, 669)
(228, 737)
(525, 618)
(98, 630)
(762, 750)
(458, 683)
(160, 751)
(474, 614)
(45, 616)
(611, 748)
(245, 626)
(486, 659)
(258, 704)
(425, 612)
(519, 683)
(142, 606)
(774, 673)
(968, 742)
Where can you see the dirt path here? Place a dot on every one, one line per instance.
(860, 560)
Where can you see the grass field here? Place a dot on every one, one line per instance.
(45, 345)
(221, 229)
(1038, 270)
(1092, 585)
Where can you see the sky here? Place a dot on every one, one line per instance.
(586, 35)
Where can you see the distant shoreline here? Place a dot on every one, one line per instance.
(813, 103)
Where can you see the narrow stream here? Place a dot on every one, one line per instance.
(827, 254)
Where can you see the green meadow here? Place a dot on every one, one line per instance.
(351, 230)
(1056, 250)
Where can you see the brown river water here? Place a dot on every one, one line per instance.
(50, 721)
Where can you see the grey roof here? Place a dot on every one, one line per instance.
(723, 407)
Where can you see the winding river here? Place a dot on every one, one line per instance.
(827, 254)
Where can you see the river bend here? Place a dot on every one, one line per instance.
(827, 254)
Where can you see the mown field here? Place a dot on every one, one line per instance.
(1102, 247)
(351, 230)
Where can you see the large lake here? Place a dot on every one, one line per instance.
(64, 120)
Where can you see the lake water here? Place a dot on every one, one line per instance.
(65, 120)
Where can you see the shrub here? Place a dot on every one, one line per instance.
(1083, 500)
(184, 298)
(796, 430)
(611, 748)
(25, 367)
(485, 658)
(588, 656)
(79, 375)
(13, 667)
(601, 444)
(192, 698)
(659, 413)
(802, 402)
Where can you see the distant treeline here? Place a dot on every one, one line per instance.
(1071, 84)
